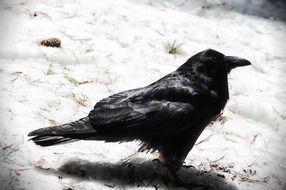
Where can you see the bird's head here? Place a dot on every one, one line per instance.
(211, 62)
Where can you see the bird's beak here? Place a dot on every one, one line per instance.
(234, 62)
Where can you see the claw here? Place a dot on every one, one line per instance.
(187, 166)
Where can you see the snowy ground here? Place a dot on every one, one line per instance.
(110, 46)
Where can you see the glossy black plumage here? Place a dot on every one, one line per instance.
(167, 115)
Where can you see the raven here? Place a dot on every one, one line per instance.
(167, 115)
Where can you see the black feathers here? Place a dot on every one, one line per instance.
(167, 115)
(69, 132)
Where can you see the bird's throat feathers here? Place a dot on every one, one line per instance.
(214, 79)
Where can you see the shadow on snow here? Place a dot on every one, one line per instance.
(146, 174)
(274, 9)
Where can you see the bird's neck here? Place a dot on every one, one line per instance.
(217, 85)
(222, 88)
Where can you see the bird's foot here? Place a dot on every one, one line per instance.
(188, 166)
(188, 185)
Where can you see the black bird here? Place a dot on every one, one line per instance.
(167, 115)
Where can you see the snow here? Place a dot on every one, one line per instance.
(111, 46)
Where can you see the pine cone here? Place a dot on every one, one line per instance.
(51, 42)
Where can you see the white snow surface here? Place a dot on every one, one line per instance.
(110, 46)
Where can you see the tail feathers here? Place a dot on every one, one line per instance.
(66, 133)
(51, 140)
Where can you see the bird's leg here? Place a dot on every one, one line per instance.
(173, 157)
(175, 176)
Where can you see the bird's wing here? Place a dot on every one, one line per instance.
(162, 108)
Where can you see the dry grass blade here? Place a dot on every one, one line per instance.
(174, 48)
(72, 80)
(50, 71)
